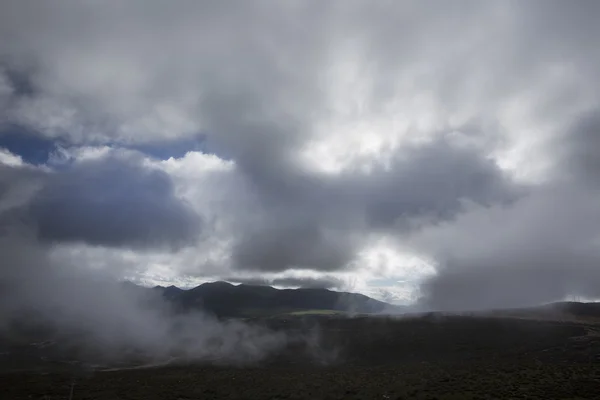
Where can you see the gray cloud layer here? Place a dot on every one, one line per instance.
(113, 202)
(452, 90)
(310, 220)
(543, 247)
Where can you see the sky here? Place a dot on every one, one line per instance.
(444, 154)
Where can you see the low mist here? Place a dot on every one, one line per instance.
(115, 321)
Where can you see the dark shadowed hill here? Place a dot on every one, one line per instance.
(564, 310)
(591, 310)
(227, 300)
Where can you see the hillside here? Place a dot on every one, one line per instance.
(446, 357)
(557, 311)
(226, 300)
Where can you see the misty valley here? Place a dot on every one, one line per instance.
(224, 341)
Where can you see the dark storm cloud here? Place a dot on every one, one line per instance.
(433, 182)
(19, 79)
(541, 248)
(310, 220)
(515, 281)
(278, 247)
(577, 149)
(113, 202)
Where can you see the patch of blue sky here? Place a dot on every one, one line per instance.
(37, 149)
(32, 148)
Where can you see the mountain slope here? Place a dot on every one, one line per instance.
(226, 300)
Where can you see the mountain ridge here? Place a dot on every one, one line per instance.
(228, 300)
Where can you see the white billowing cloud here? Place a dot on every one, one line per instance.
(347, 69)
(10, 159)
(433, 124)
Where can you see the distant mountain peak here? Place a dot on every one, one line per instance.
(225, 299)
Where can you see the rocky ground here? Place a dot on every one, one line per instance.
(424, 357)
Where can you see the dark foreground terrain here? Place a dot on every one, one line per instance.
(426, 357)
